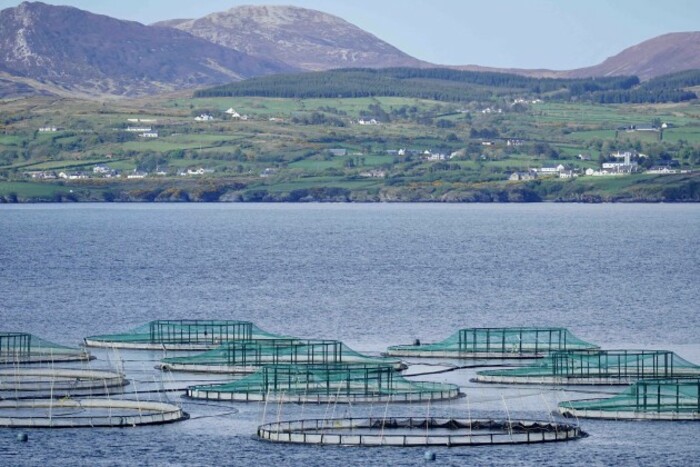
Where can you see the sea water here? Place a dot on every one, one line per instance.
(622, 276)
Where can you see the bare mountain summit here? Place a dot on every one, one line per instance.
(307, 39)
(659, 56)
(77, 51)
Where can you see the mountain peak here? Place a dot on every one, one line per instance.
(308, 39)
(96, 54)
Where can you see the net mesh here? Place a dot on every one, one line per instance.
(610, 364)
(506, 341)
(257, 353)
(173, 332)
(659, 396)
(330, 382)
(19, 347)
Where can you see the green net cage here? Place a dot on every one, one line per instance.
(248, 357)
(663, 399)
(496, 343)
(596, 367)
(21, 347)
(181, 335)
(320, 383)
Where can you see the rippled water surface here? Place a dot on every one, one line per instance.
(370, 275)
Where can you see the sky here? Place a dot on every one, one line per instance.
(552, 34)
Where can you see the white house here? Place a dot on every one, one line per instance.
(620, 167)
(203, 118)
(376, 173)
(568, 174)
(429, 155)
(603, 173)
(268, 172)
(662, 170)
(551, 171)
(136, 175)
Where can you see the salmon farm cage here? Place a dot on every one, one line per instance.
(601, 367)
(324, 383)
(181, 335)
(411, 431)
(248, 357)
(34, 383)
(86, 413)
(650, 399)
(20, 347)
(500, 343)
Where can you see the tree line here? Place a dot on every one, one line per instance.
(444, 84)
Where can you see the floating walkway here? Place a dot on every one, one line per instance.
(499, 343)
(248, 357)
(601, 367)
(324, 383)
(181, 335)
(666, 399)
(86, 413)
(18, 383)
(21, 348)
(408, 432)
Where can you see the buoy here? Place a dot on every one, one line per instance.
(23, 437)
(429, 455)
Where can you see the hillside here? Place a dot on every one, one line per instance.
(79, 51)
(661, 55)
(306, 39)
(68, 52)
(346, 149)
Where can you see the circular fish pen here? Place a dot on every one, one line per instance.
(86, 413)
(416, 432)
(496, 343)
(601, 367)
(21, 348)
(181, 335)
(324, 383)
(249, 357)
(666, 399)
(20, 383)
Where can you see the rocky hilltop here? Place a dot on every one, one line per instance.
(306, 39)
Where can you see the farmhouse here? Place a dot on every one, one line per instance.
(371, 121)
(519, 176)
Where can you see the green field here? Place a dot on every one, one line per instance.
(294, 153)
(32, 190)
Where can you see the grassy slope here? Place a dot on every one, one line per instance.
(240, 150)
